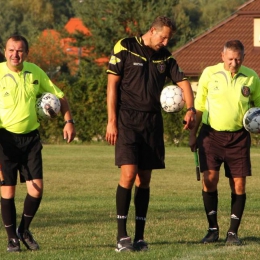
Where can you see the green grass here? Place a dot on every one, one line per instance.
(76, 219)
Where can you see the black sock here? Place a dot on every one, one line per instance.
(8, 211)
(123, 199)
(237, 208)
(141, 200)
(210, 200)
(31, 206)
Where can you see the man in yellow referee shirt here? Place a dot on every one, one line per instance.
(225, 92)
(20, 146)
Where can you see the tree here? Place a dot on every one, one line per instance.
(112, 20)
(51, 55)
(31, 17)
(108, 21)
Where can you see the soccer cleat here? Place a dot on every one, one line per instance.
(13, 245)
(27, 239)
(232, 239)
(140, 245)
(124, 244)
(211, 237)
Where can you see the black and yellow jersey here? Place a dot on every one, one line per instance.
(143, 73)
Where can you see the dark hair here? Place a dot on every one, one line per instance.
(234, 45)
(161, 21)
(18, 37)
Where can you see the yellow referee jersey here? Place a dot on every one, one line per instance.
(18, 93)
(223, 99)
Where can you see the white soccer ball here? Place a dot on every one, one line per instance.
(251, 120)
(47, 106)
(172, 99)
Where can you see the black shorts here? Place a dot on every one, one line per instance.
(230, 148)
(20, 153)
(140, 140)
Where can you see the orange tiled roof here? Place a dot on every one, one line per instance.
(66, 44)
(206, 49)
(76, 24)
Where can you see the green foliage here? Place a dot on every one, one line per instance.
(204, 14)
(108, 21)
(87, 96)
(173, 128)
(112, 20)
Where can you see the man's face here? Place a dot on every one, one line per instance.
(232, 60)
(159, 37)
(15, 54)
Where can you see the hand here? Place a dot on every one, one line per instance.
(189, 120)
(69, 132)
(111, 134)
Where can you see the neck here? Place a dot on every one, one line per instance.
(15, 68)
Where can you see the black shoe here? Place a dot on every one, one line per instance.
(13, 245)
(27, 239)
(232, 239)
(211, 237)
(140, 245)
(124, 244)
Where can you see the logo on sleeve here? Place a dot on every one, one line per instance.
(114, 60)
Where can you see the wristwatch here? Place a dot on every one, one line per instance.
(70, 121)
(192, 109)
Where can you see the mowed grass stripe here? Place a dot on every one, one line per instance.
(76, 219)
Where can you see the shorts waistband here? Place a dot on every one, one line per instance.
(32, 133)
(214, 130)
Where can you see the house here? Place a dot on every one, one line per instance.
(206, 49)
(63, 49)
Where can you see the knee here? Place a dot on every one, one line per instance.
(127, 180)
(143, 180)
(35, 188)
(210, 183)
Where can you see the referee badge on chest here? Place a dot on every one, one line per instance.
(245, 91)
(161, 67)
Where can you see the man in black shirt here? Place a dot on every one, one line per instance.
(137, 71)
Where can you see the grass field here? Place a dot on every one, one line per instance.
(76, 219)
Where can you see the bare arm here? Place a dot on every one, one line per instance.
(112, 96)
(69, 132)
(190, 117)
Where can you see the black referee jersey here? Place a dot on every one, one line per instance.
(143, 73)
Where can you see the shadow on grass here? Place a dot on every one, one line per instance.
(221, 242)
(114, 245)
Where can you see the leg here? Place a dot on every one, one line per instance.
(142, 195)
(123, 199)
(9, 217)
(210, 196)
(8, 210)
(238, 200)
(210, 200)
(31, 205)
